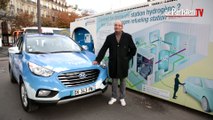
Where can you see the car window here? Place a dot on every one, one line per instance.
(208, 83)
(196, 81)
(19, 43)
(51, 44)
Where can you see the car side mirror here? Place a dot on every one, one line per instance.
(84, 47)
(14, 50)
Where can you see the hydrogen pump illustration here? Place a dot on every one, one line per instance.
(163, 50)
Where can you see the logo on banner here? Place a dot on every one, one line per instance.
(198, 12)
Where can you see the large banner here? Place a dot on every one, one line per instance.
(174, 50)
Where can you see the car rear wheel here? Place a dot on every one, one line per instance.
(12, 78)
(27, 104)
(205, 104)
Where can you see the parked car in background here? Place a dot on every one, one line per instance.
(52, 68)
(34, 30)
(202, 90)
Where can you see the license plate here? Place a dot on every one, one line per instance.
(83, 90)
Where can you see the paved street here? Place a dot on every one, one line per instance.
(3, 52)
(139, 106)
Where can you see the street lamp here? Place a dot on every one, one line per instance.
(39, 16)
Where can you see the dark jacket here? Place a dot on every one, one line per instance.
(177, 83)
(119, 54)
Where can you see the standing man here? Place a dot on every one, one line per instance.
(176, 85)
(121, 50)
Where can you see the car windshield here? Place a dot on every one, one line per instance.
(51, 44)
(209, 83)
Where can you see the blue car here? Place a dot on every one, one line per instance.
(52, 68)
(202, 90)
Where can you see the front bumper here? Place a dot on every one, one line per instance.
(78, 97)
(64, 94)
(73, 98)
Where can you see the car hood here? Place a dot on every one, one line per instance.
(63, 61)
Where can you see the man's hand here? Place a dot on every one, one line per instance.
(95, 62)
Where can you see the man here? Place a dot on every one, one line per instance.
(176, 85)
(121, 50)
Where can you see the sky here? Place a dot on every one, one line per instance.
(103, 5)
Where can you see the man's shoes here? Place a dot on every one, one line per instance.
(174, 97)
(112, 101)
(123, 102)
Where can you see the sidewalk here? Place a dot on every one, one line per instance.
(3, 52)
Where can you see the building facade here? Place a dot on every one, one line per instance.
(48, 7)
(15, 7)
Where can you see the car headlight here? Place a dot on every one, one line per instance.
(40, 71)
(103, 64)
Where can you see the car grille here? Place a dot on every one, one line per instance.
(79, 77)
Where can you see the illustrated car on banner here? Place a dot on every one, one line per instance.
(52, 68)
(201, 89)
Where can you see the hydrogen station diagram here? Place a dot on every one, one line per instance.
(163, 50)
(166, 46)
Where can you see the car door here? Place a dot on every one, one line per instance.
(197, 87)
(17, 59)
(13, 60)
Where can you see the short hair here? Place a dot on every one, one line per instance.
(118, 21)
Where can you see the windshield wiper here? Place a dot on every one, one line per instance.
(63, 51)
(38, 52)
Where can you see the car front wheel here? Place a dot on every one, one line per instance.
(205, 104)
(27, 104)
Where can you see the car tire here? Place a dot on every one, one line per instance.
(205, 104)
(28, 104)
(184, 89)
(12, 78)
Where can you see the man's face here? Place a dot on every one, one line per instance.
(118, 26)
